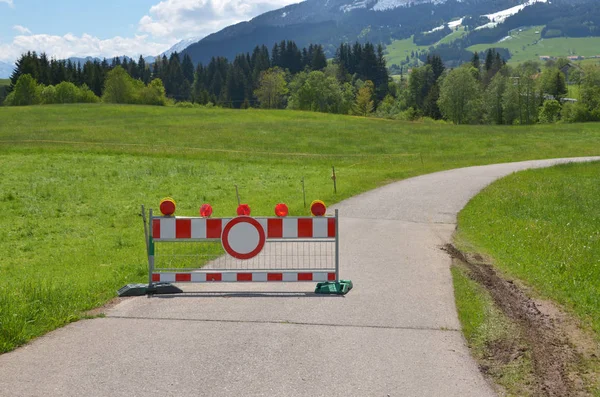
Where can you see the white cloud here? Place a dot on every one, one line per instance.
(69, 45)
(168, 22)
(21, 29)
(193, 18)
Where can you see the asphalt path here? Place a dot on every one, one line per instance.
(395, 334)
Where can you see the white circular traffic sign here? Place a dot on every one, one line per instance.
(243, 237)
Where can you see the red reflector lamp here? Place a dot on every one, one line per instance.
(318, 208)
(167, 206)
(206, 211)
(281, 210)
(243, 210)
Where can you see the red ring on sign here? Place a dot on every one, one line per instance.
(236, 221)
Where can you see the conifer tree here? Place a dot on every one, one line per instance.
(475, 61)
(319, 60)
(364, 104)
(188, 68)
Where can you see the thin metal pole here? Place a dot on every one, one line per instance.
(237, 193)
(150, 252)
(145, 227)
(334, 180)
(304, 192)
(337, 247)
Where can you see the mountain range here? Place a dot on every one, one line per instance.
(330, 22)
(6, 70)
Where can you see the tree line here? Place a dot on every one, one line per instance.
(488, 91)
(220, 82)
(483, 91)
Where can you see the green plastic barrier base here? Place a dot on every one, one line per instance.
(334, 288)
(145, 289)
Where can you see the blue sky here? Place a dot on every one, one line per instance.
(65, 28)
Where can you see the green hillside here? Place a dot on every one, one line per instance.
(527, 44)
(524, 45)
(457, 34)
(398, 50)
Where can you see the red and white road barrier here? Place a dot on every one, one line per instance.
(313, 257)
(233, 277)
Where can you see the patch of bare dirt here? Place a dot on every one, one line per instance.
(557, 344)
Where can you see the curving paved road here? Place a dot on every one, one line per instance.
(395, 334)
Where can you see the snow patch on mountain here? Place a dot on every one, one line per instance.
(383, 5)
(354, 5)
(451, 25)
(456, 23)
(182, 45)
(500, 16)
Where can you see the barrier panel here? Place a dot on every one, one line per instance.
(242, 249)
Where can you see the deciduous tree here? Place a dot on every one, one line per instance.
(272, 88)
(460, 95)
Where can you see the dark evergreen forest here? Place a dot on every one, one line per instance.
(221, 82)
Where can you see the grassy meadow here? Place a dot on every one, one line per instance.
(543, 227)
(398, 50)
(523, 44)
(528, 45)
(74, 176)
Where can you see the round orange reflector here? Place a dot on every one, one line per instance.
(206, 211)
(281, 210)
(168, 206)
(243, 210)
(318, 208)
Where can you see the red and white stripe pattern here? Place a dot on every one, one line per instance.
(175, 228)
(234, 277)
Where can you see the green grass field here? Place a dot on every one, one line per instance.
(4, 82)
(73, 178)
(398, 50)
(524, 45)
(543, 227)
(528, 45)
(453, 36)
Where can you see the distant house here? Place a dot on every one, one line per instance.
(567, 70)
(574, 58)
(545, 58)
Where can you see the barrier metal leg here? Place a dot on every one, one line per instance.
(151, 288)
(337, 287)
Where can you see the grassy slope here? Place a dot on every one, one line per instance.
(398, 50)
(73, 178)
(4, 82)
(528, 45)
(524, 46)
(543, 227)
(453, 36)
